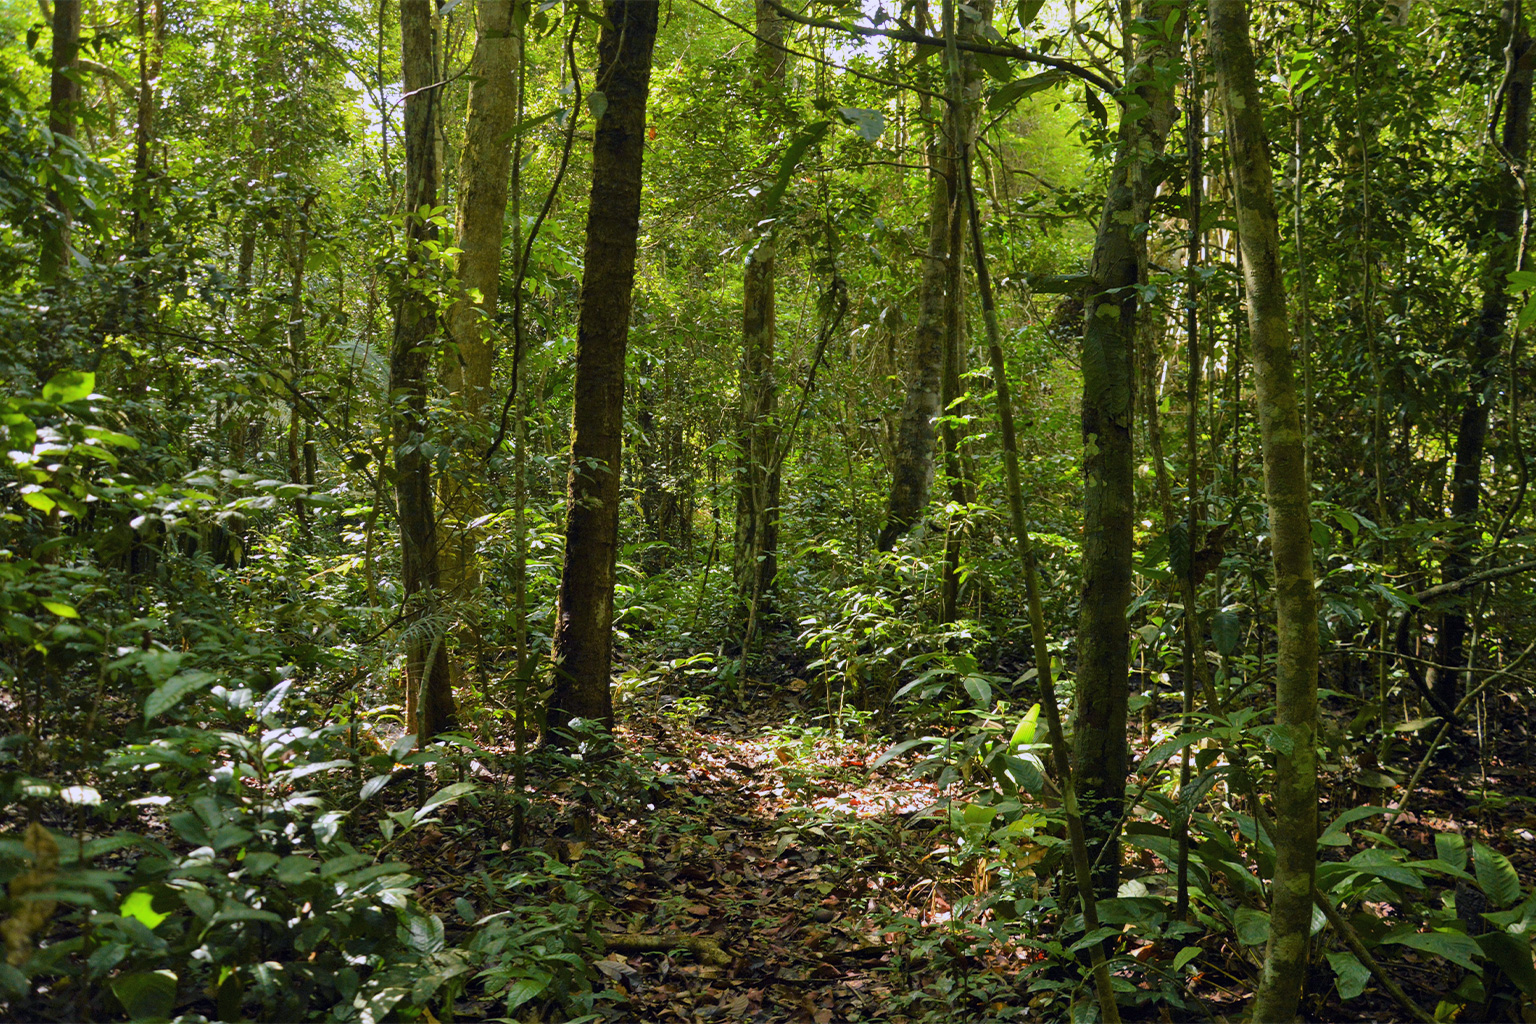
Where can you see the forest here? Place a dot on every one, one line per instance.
(907, 511)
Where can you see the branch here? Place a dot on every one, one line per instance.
(704, 947)
(993, 49)
(813, 57)
(1467, 582)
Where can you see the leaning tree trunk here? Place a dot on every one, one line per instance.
(429, 694)
(757, 484)
(1290, 525)
(583, 642)
(1109, 335)
(484, 167)
(1487, 332)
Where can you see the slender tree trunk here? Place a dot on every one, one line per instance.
(1082, 870)
(63, 100)
(484, 166)
(429, 703)
(758, 479)
(1486, 334)
(912, 453)
(962, 85)
(583, 641)
(1290, 525)
(1109, 339)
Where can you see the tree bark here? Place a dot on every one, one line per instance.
(912, 454)
(1287, 494)
(1487, 332)
(429, 696)
(758, 478)
(480, 211)
(583, 641)
(63, 101)
(1109, 337)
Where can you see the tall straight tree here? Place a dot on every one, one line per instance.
(1487, 332)
(1290, 524)
(1109, 341)
(429, 694)
(485, 165)
(916, 432)
(757, 484)
(63, 99)
(583, 641)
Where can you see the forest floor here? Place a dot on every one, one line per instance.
(817, 887)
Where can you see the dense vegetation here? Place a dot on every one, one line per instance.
(738, 510)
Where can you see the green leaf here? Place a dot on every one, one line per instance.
(1527, 315)
(424, 933)
(62, 610)
(1028, 11)
(870, 123)
(979, 689)
(597, 103)
(1452, 849)
(1024, 732)
(1185, 955)
(1351, 973)
(1226, 631)
(1522, 280)
(69, 386)
(1007, 95)
(1496, 875)
(807, 138)
(140, 905)
(1513, 954)
(443, 796)
(1252, 926)
(1457, 947)
(147, 995)
(174, 689)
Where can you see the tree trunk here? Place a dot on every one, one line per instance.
(757, 487)
(583, 641)
(1290, 525)
(63, 100)
(912, 452)
(484, 167)
(1109, 338)
(429, 695)
(1486, 334)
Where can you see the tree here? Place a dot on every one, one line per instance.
(583, 640)
(480, 211)
(1288, 495)
(913, 469)
(429, 703)
(1111, 307)
(758, 476)
(1484, 344)
(64, 98)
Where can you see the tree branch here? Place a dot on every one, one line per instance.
(992, 49)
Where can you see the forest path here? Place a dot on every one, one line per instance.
(827, 889)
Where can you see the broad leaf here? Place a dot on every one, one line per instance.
(1457, 947)
(174, 689)
(69, 386)
(1351, 973)
(146, 994)
(1252, 926)
(1496, 875)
